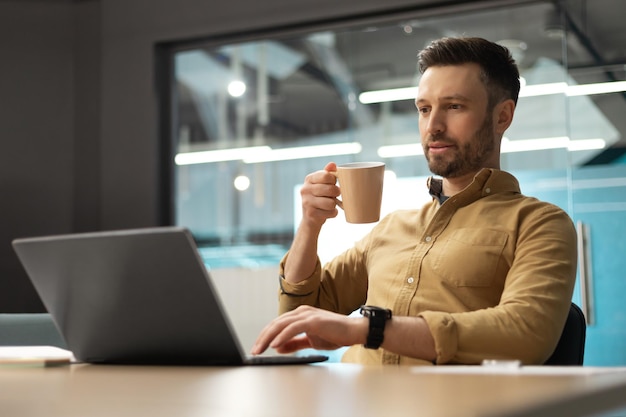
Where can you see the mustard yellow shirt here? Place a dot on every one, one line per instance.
(490, 270)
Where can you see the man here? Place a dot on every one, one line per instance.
(481, 272)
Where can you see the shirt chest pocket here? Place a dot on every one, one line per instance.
(469, 257)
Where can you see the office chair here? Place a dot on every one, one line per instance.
(29, 329)
(571, 347)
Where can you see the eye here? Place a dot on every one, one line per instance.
(454, 106)
(423, 110)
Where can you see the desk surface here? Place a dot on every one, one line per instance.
(309, 390)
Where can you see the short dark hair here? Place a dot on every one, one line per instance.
(499, 73)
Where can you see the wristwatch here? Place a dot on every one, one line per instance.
(378, 318)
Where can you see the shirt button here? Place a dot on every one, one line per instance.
(428, 239)
(410, 280)
(487, 190)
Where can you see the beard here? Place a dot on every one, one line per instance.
(468, 158)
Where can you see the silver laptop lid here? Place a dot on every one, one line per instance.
(132, 296)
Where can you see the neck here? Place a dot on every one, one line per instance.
(452, 186)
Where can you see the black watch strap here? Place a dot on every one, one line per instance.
(378, 318)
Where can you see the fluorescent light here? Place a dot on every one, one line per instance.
(572, 90)
(508, 146)
(586, 144)
(394, 151)
(597, 88)
(302, 152)
(557, 142)
(542, 89)
(410, 93)
(394, 94)
(219, 155)
(539, 144)
(256, 154)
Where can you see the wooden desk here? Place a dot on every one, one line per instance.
(311, 390)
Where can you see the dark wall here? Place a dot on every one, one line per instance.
(78, 108)
(36, 133)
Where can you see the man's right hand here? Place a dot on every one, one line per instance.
(319, 194)
(319, 203)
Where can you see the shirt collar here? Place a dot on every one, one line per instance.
(487, 181)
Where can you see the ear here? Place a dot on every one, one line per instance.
(503, 115)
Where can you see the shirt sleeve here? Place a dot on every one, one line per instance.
(339, 286)
(304, 292)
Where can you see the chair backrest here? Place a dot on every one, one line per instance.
(29, 329)
(571, 347)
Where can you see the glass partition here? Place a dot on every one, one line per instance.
(253, 117)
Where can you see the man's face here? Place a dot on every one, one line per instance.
(457, 131)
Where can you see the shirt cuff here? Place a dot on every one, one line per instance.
(444, 331)
(291, 295)
(301, 288)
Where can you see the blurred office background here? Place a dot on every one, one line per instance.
(120, 114)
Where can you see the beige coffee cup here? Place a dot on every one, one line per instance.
(361, 186)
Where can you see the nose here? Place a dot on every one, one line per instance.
(434, 123)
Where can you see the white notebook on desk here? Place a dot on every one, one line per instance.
(18, 356)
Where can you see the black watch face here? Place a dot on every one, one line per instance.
(373, 311)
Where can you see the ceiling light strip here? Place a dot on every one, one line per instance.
(394, 94)
(409, 93)
(302, 152)
(597, 88)
(542, 89)
(508, 146)
(219, 155)
(258, 154)
(395, 151)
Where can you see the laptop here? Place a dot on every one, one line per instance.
(138, 296)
